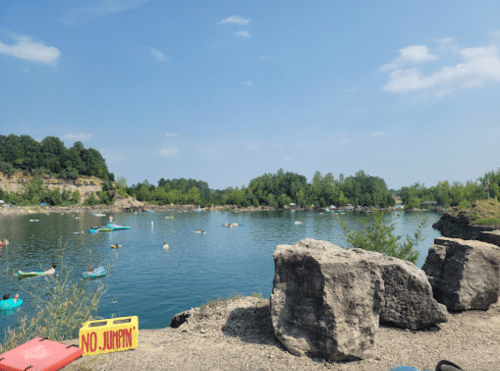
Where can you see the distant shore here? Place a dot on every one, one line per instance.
(24, 210)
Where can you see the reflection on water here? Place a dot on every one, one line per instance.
(155, 284)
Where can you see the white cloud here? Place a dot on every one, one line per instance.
(27, 49)
(446, 40)
(377, 134)
(495, 33)
(247, 83)
(99, 8)
(414, 53)
(286, 158)
(82, 137)
(243, 33)
(480, 65)
(157, 54)
(352, 90)
(234, 19)
(167, 152)
(171, 135)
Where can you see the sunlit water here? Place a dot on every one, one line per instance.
(147, 281)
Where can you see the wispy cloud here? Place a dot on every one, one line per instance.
(171, 135)
(99, 8)
(286, 158)
(351, 90)
(167, 152)
(479, 65)
(235, 19)
(377, 134)
(265, 57)
(26, 48)
(157, 54)
(208, 150)
(414, 53)
(82, 137)
(247, 83)
(243, 33)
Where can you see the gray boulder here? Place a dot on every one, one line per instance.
(492, 237)
(325, 301)
(409, 301)
(464, 274)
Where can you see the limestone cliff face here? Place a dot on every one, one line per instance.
(85, 185)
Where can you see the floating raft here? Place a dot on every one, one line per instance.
(98, 272)
(29, 274)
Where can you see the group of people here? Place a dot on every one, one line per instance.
(230, 225)
(3, 243)
(202, 231)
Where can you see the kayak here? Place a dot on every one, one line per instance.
(10, 304)
(98, 272)
(29, 274)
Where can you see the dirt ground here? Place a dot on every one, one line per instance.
(237, 335)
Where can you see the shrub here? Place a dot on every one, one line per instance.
(60, 316)
(378, 236)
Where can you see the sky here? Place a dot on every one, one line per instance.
(226, 91)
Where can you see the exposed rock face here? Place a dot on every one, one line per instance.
(409, 301)
(464, 274)
(325, 301)
(492, 237)
(459, 227)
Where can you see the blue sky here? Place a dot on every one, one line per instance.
(225, 91)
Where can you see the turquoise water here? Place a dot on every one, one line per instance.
(154, 284)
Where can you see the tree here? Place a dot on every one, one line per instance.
(378, 236)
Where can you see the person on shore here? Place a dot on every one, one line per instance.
(51, 270)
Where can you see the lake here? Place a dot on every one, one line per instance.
(147, 281)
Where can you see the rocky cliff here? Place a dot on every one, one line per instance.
(460, 226)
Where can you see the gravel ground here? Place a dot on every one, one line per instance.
(237, 335)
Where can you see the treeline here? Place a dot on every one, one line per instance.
(270, 189)
(454, 194)
(50, 156)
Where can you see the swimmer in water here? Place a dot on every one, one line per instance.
(165, 246)
(203, 231)
(197, 231)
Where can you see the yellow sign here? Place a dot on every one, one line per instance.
(109, 335)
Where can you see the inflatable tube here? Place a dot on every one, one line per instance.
(29, 274)
(10, 304)
(98, 272)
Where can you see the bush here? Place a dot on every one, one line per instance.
(464, 205)
(378, 236)
(60, 316)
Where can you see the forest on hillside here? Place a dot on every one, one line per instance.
(50, 156)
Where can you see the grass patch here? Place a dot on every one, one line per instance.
(487, 221)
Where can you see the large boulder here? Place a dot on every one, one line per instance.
(325, 301)
(492, 237)
(464, 274)
(409, 301)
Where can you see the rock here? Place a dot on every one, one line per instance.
(325, 301)
(464, 274)
(492, 237)
(409, 302)
(459, 227)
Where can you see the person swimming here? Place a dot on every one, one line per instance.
(51, 270)
(165, 246)
(197, 231)
(202, 231)
(91, 269)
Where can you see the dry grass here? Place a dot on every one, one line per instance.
(482, 212)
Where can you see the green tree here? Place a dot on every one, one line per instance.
(377, 235)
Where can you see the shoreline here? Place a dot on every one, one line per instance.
(137, 206)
